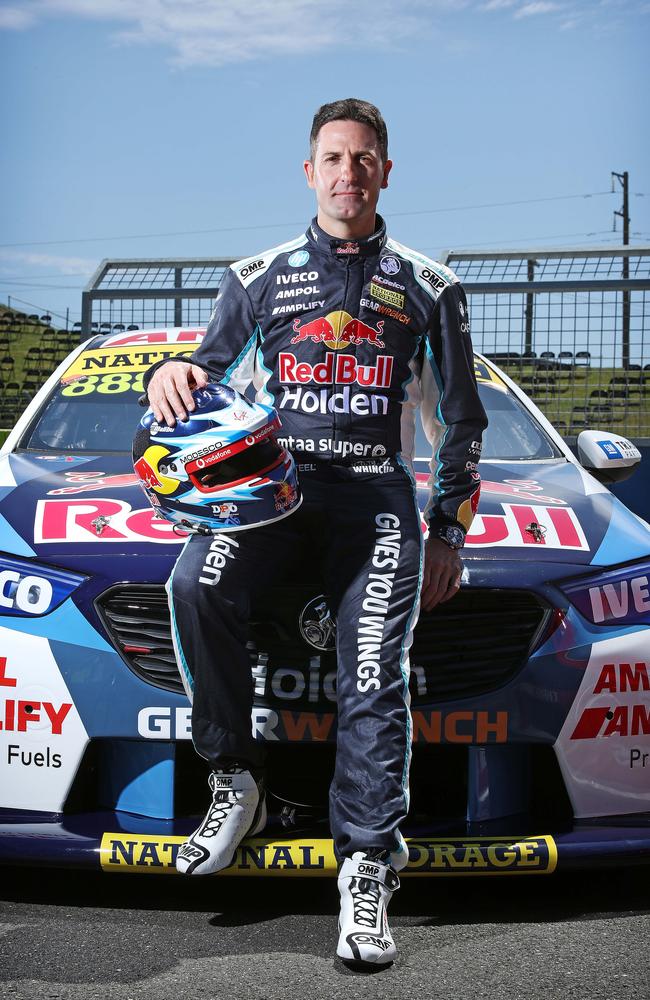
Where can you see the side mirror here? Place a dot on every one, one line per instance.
(609, 457)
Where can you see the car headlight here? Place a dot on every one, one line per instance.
(29, 590)
(619, 596)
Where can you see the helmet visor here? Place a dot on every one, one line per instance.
(245, 464)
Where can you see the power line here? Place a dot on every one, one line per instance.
(277, 225)
(499, 204)
(54, 274)
(42, 309)
(527, 239)
(38, 284)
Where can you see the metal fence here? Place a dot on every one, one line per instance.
(151, 293)
(571, 326)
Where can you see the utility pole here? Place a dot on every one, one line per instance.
(625, 215)
(528, 339)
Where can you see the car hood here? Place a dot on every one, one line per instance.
(71, 509)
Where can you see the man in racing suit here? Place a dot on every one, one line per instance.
(346, 333)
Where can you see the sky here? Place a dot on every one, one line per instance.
(163, 128)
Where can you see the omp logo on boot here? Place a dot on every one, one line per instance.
(368, 870)
(369, 939)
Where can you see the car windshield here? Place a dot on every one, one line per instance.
(99, 412)
(512, 433)
(89, 414)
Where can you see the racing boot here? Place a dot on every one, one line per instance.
(366, 883)
(238, 809)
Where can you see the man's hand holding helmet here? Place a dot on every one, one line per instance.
(170, 390)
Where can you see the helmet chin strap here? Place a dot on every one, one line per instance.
(192, 529)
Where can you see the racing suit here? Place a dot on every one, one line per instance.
(346, 339)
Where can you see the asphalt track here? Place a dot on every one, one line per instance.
(138, 937)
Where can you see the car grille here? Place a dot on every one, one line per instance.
(138, 623)
(467, 646)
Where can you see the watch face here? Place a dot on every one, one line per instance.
(454, 537)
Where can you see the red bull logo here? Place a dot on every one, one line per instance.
(341, 369)
(338, 329)
(144, 471)
(148, 470)
(86, 482)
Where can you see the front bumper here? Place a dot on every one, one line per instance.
(119, 842)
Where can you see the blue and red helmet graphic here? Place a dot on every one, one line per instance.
(221, 469)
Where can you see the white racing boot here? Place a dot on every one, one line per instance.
(238, 809)
(366, 883)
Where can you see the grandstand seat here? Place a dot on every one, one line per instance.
(11, 389)
(621, 397)
(77, 326)
(633, 368)
(598, 394)
(105, 328)
(583, 358)
(548, 355)
(48, 360)
(7, 365)
(46, 318)
(118, 328)
(32, 318)
(632, 383)
(133, 326)
(602, 413)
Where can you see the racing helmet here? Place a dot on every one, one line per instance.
(221, 469)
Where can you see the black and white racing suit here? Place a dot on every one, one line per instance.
(346, 339)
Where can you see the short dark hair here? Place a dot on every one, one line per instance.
(353, 110)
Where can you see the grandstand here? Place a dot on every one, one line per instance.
(562, 324)
(30, 350)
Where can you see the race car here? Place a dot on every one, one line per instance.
(530, 690)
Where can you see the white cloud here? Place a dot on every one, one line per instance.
(215, 32)
(63, 265)
(219, 32)
(16, 18)
(498, 4)
(536, 7)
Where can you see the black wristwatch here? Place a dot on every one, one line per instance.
(451, 535)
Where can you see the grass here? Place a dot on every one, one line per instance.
(573, 398)
(564, 395)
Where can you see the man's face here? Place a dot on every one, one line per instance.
(347, 174)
